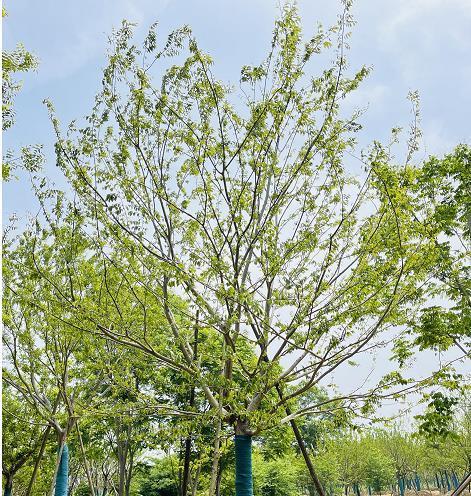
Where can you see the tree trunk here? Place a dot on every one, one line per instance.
(62, 476)
(8, 485)
(427, 484)
(38, 461)
(85, 461)
(400, 483)
(456, 482)
(218, 481)
(186, 466)
(243, 459)
(129, 472)
(307, 458)
(215, 464)
(187, 457)
(302, 447)
(122, 471)
(417, 482)
(448, 485)
(195, 480)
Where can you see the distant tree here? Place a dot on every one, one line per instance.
(14, 62)
(379, 469)
(159, 479)
(445, 186)
(277, 477)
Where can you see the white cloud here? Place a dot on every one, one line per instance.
(420, 34)
(407, 12)
(367, 95)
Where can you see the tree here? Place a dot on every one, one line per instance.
(14, 62)
(248, 210)
(22, 434)
(39, 344)
(277, 477)
(160, 479)
(448, 451)
(119, 421)
(379, 469)
(445, 185)
(442, 199)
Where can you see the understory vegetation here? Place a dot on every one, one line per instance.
(365, 460)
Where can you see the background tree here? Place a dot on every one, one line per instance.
(445, 184)
(23, 431)
(39, 344)
(14, 62)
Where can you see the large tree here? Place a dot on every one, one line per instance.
(244, 210)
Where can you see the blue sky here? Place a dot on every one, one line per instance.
(419, 45)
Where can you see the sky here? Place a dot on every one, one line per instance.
(421, 45)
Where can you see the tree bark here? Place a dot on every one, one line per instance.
(186, 466)
(8, 485)
(218, 481)
(195, 480)
(129, 472)
(307, 458)
(41, 449)
(38, 461)
(215, 465)
(85, 462)
(122, 468)
(187, 456)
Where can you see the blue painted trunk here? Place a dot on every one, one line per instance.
(456, 482)
(62, 478)
(401, 486)
(7, 491)
(448, 485)
(243, 456)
